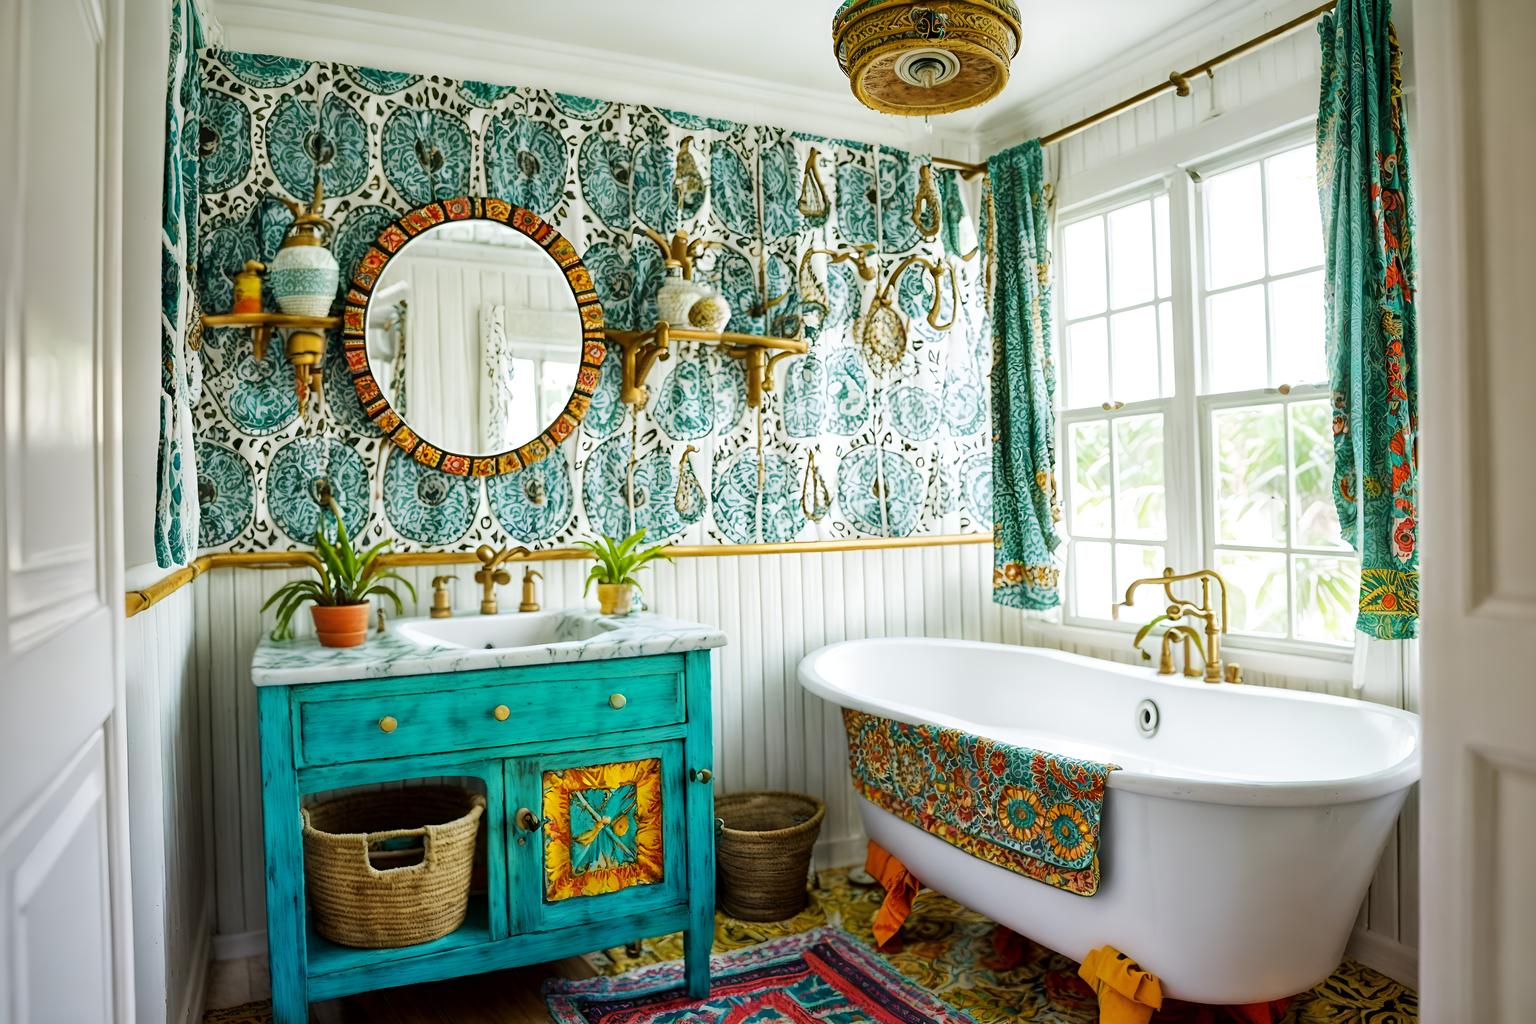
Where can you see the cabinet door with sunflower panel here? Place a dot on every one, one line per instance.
(603, 836)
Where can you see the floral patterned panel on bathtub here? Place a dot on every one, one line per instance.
(1034, 813)
(844, 447)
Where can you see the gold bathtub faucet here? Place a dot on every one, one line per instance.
(1214, 620)
(490, 573)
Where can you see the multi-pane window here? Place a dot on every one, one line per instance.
(1118, 373)
(1252, 404)
(1263, 281)
(1272, 529)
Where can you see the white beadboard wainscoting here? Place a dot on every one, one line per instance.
(170, 791)
(769, 733)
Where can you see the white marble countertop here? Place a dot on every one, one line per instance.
(398, 653)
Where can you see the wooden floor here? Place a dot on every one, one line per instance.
(502, 997)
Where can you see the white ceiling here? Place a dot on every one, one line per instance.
(769, 44)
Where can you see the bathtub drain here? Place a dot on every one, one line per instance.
(1147, 718)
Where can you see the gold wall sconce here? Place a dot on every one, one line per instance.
(303, 250)
(304, 345)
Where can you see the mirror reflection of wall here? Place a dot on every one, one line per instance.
(474, 336)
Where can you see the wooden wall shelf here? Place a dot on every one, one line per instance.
(263, 324)
(642, 349)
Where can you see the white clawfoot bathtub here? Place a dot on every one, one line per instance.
(1238, 839)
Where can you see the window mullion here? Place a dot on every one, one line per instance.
(1181, 446)
(1290, 513)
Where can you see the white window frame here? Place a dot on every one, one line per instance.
(1187, 440)
(1110, 409)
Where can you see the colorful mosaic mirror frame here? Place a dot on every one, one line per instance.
(603, 828)
(370, 268)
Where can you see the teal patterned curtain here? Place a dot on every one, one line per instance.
(1024, 508)
(1362, 175)
(176, 506)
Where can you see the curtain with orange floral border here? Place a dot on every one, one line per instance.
(1363, 186)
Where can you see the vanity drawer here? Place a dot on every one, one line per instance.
(490, 714)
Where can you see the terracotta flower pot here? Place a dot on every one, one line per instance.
(615, 598)
(340, 625)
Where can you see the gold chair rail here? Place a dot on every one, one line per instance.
(136, 601)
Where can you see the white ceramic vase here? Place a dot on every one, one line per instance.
(676, 296)
(303, 279)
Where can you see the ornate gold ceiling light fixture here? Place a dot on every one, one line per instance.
(922, 57)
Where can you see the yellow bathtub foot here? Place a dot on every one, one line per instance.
(1127, 994)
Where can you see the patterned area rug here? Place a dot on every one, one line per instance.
(974, 965)
(821, 975)
(998, 978)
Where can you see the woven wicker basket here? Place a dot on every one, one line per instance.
(763, 853)
(357, 897)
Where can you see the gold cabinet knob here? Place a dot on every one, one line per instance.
(502, 712)
(388, 724)
(702, 775)
(617, 701)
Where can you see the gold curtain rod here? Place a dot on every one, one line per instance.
(136, 601)
(1177, 81)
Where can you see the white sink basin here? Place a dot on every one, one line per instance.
(504, 632)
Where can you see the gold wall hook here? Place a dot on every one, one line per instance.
(814, 203)
(815, 498)
(927, 210)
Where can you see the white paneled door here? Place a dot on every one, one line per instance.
(63, 861)
(1477, 143)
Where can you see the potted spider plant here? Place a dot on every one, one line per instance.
(614, 573)
(348, 578)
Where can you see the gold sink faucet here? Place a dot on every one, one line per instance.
(530, 596)
(1172, 635)
(491, 574)
(1214, 619)
(442, 607)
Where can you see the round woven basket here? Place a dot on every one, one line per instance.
(391, 868)
(763, 853)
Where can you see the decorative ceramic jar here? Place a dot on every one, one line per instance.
(676, 295)
(710, 313)
(248, 288)
(304, 275)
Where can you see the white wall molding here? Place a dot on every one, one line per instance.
(1209, 137)
(239, 945)
(1396, 960)
(330, 32)
(189, 1008)
(1222, 25)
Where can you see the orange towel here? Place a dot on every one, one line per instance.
(901, 888)
(1127, 994)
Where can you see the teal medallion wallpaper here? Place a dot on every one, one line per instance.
(844, 447)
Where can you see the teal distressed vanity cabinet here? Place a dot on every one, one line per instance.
(593, 714)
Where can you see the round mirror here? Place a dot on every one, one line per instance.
(474, 336)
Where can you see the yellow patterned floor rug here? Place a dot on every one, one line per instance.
(974, 965)
(964, 959)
